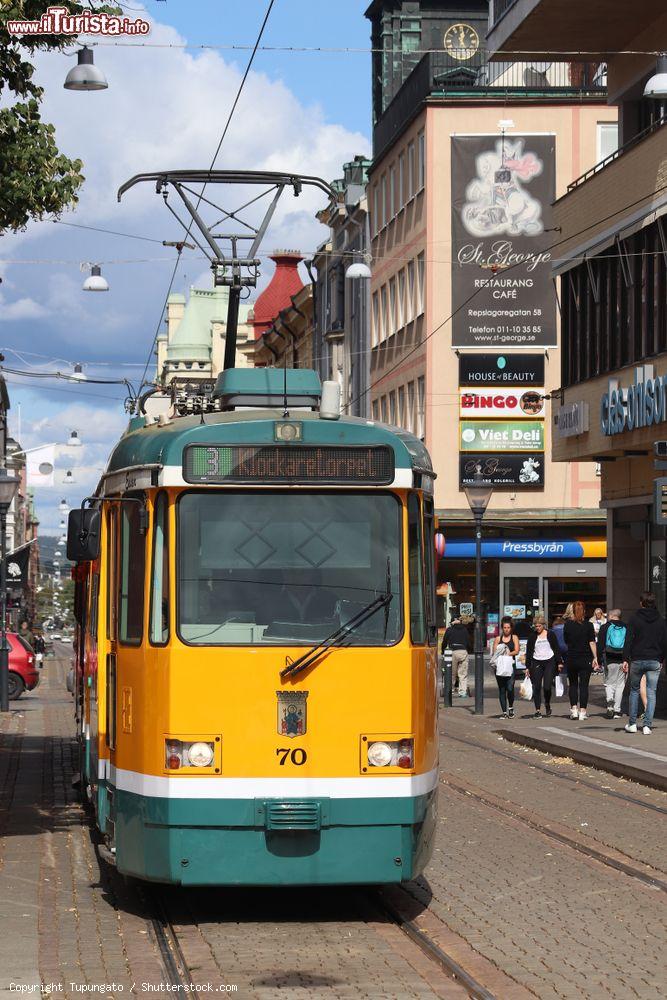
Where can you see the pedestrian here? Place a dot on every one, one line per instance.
(597, 620)
(543, 658)
(610, 645)
(644, 653)
(26, 634)
(557, 627)
(579, 635)
(505, 650)
(40, 648)
(457, 638)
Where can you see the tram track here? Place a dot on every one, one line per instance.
(615, 859)
(553, 773)
(166, 940)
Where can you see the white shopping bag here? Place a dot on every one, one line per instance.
(561, 686)
(526, 689)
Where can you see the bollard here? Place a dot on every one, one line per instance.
(447, 677)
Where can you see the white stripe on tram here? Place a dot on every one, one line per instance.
(189, 786)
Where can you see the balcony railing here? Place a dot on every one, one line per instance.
(498, 10)
(459, 74)
(636, 139)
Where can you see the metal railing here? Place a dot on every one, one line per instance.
(462, 74)
(636, 139)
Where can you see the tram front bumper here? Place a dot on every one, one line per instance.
(264, 842)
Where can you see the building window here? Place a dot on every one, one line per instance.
(376, 209)
(392, 408)
(401, 406)
(401, 181)
(375, 409)
(411, 170)
(392, 307)
(421, 161)
(421, 281)
(410, 298)
(383, 409)
(400, 300)
(411, 407)
(392, 192)
(607, 140)
(421, 395)
(384, 318)
(375, 331)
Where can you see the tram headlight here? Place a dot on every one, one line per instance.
(380, 754)
(200, 754)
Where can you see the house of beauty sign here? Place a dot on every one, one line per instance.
(502, 290)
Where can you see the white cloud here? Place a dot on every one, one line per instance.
(20, 309)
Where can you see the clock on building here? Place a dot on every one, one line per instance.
(461, 41)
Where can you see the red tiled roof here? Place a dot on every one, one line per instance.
(285, 283)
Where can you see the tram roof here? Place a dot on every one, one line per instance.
(159, 447)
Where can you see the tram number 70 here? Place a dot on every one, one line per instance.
(298, 756)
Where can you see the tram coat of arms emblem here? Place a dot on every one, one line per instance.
(292, 713)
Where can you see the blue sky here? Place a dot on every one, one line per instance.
(164, 108)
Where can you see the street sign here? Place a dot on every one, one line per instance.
(466, 609)
(660, 501)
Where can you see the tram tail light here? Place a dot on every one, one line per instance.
(190, 754)
(391, 753)
(174, 754)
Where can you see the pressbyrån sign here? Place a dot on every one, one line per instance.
(496, 402)
(528, 548)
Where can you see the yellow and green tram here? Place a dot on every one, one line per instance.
(256, 643)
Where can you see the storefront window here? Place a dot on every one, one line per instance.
(658, 566)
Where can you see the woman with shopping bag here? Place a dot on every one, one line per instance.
(503, 661)
(543, 658)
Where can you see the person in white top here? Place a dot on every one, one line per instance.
(597, 620)
(543, 659)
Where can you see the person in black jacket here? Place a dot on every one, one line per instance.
(644, 653)
(457, 638)
(543, 656)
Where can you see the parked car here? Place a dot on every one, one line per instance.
(23, 670)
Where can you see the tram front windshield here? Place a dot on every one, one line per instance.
(286, 568)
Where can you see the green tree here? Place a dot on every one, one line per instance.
(36, 179)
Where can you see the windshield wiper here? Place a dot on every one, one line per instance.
(343, 631)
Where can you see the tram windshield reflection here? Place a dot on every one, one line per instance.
(285, 568)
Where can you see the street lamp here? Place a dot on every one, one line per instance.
(95, 282)
(478, 495)
(8, 487)
(85, 75)
(656, 88)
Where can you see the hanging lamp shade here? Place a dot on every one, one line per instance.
(85, 75)
(95, 282)
(656, 88)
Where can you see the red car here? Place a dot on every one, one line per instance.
(23, 670)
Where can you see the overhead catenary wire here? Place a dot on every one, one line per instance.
(561, 56)
(201, 194)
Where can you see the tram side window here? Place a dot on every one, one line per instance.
(416, 571)
(131, 582)
(429, 557)
(94, 604)
(160, 581)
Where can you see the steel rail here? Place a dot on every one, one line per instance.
(173, 960)
(586, 850)
(556, 774)
(476, 991)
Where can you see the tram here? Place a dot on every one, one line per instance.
(256, 654)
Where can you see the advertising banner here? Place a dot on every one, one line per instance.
(518, 471)
(502, 227)
(501, 369)
(501, 435)
(519, 404)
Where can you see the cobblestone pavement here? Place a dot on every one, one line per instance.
(544, 919)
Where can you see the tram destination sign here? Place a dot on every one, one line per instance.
(503, 187)
(211, 464)
(515, 471)
(496, 370)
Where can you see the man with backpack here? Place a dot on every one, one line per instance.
(611, 643)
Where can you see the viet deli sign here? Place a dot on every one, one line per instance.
(498, 435)
(642, 404)
(515, 403)
(503, 188)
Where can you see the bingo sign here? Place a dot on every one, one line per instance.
(519, 404)
(502, 228)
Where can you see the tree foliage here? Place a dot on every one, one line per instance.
(36, 179)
